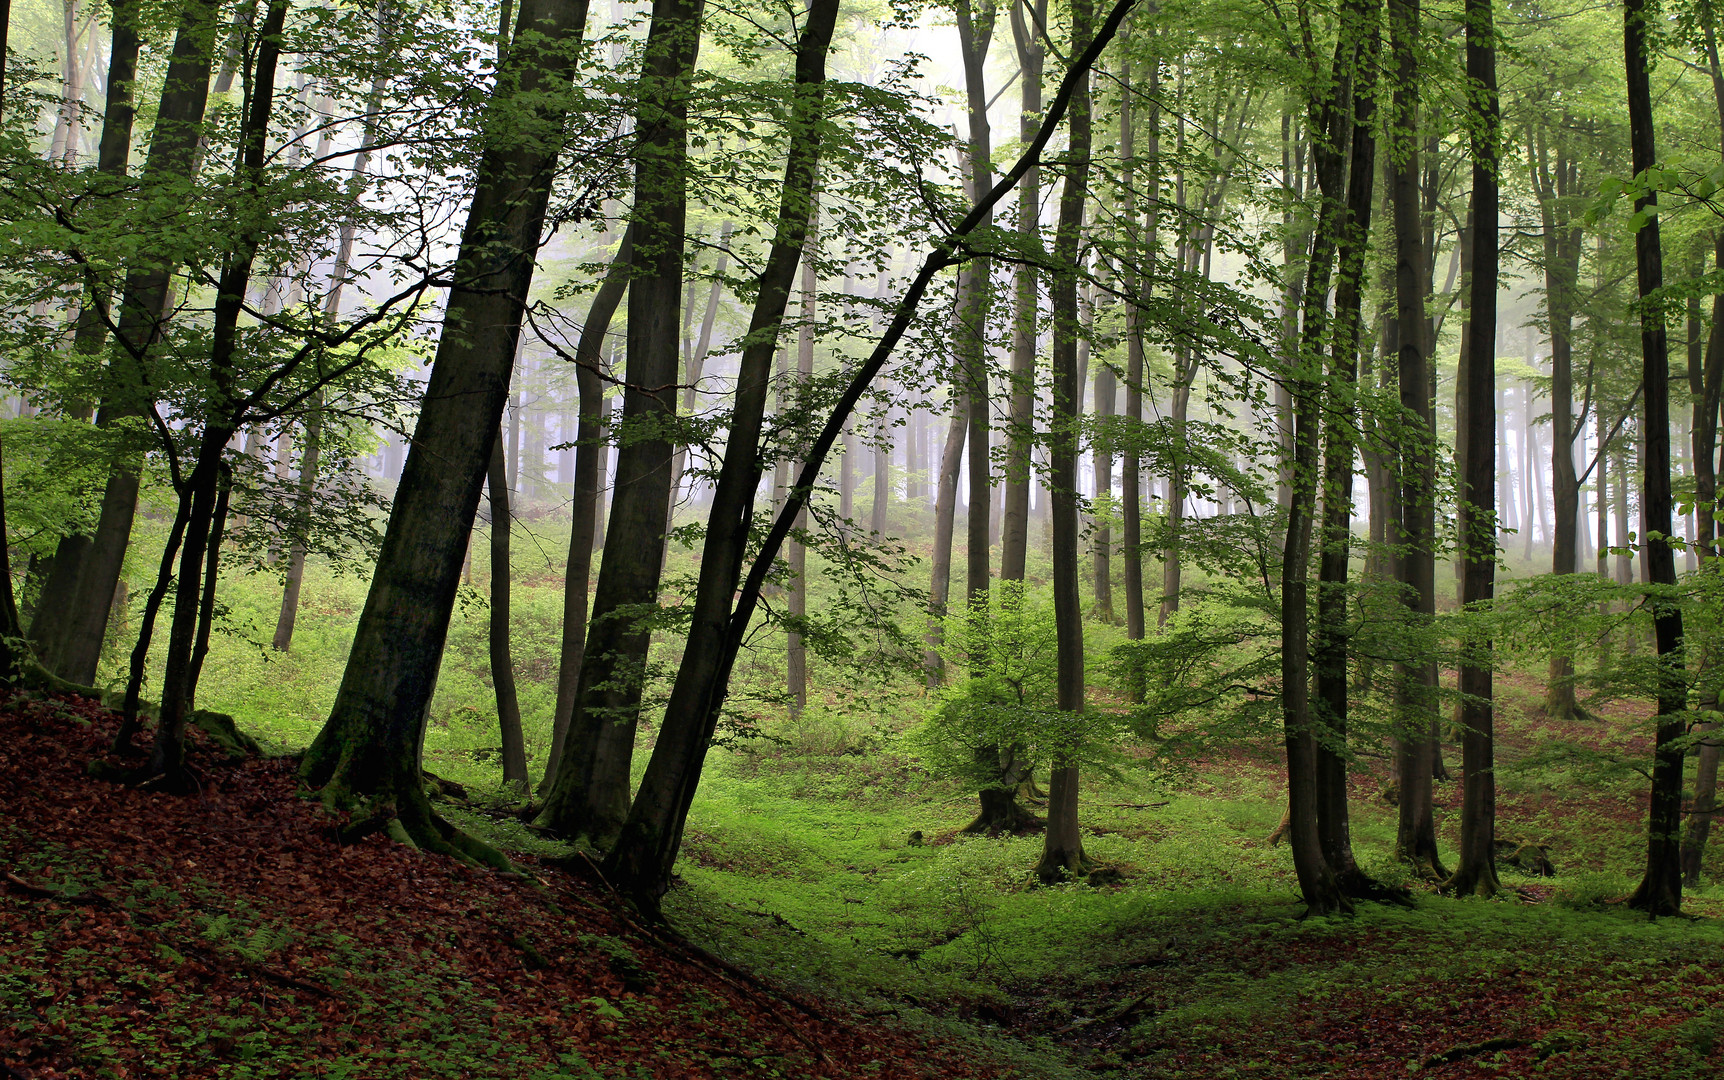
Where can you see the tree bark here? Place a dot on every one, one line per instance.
(502, 664)
(368, 752)
(1476, 873)
(1660, 891)
(310, 454)
(640, 862)
(1334, 831)
(1139, 288)
(584, 515)
(1062, 847)
(1020, 431)
(201, 490)
(590, 796)
(975, 33)
(49, 623)
(1414, 535)
(76, 651)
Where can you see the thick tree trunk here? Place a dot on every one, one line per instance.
(1476, 872)
(590, 796)
(1416, 675)
(1062, 847)
(369, 750)
(502, 664)
(77, 649)
(588, 476)
(1660, 891)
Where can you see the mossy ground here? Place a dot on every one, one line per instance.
(1190, 960)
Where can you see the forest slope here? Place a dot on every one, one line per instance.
(228, 933)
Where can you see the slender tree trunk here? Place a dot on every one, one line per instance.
(590, 795)
(201, 489)
(1062, 848)
(212, 570)
(310, 454)
(1416, 673)
(945, 514)
(1476, 872)
(1140, 289)
(975, 33)
(796, 553)
(1020, 435)
(584, 523)
(1704, 436)
(1660, 891)
(1106, 401)
(369, 750)
(502, 664)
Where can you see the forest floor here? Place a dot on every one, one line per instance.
(229, 934)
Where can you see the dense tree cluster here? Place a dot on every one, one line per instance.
(305, 281)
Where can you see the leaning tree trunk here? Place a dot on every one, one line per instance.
(641, 860)
(590, 796)
(584, 510)
(368, 752)
(173, 160)
(1477, 871)
(1062, 847)
(1660, 891)
(502, 664)
(201, 490)
(796, 552)
(640, 864)
(1415, 532)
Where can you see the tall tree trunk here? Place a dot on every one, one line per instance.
(641, 863)
(1660, 891)
(368, 752)
(1331, 126)
(1329, 657)
(49, 624)
(590, 449)
(975, 33)
(1476, 872)
(173, 157)
(590, 796)
(1704, 436)
(641, 860)
(1106, 402)
(212, 570)
(1020, 432)
(1414, 535)
(502, 664)
(796, 553)
(1139, 290)
(1062, 847)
